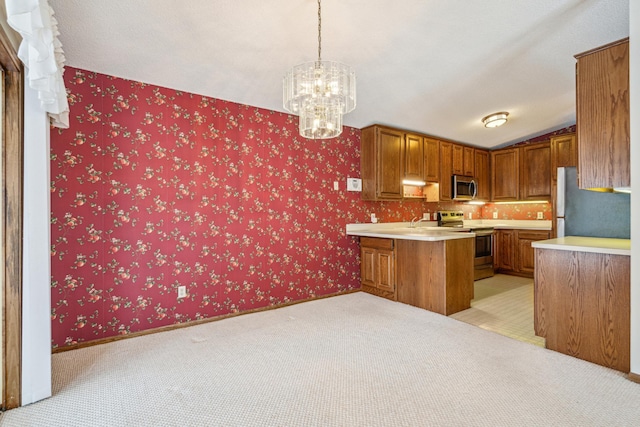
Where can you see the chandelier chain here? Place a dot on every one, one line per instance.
(319, 31)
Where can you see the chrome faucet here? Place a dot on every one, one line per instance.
(415, 220)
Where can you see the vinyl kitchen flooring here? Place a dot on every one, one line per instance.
(503, 304)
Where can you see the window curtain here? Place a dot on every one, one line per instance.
(41, 52)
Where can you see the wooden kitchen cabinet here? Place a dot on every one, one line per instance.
(564, 153)
(378, 267)
(382, 163)
(602, 116)
(526, 254)
(582, 305)
(413, 157)
(468, 162)
(482, 174)
(535, 171)
(457, 166)
(436, 275)
(431, 160)
(514, 254)
(505, 176)
(446, 169)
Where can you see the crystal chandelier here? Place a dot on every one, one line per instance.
(320, 92)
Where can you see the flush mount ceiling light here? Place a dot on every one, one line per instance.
(496, 119)
(320, 92)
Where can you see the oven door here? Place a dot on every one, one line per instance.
(484, 246)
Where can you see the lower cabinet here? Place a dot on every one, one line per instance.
(514, 254)
(378, 266)
(582, 307)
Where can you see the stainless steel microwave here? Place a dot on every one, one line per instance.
(463, 187)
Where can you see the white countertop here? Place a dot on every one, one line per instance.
(401, 230)
(598, 245)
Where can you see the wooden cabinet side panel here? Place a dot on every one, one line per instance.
(422, 287)
(582, 305)
(602, 117)
(459, 274)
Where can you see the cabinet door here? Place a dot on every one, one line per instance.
(506, 249)
(390, 163)
(431, 160)
(414, 157)
(526, 254)
(535, 170)
(368, 266)
(504, 175)
(469, 162)
(482, 174)
(458, 160)
(602, 116)
(446, 161)
(386, 270)
(564, 153)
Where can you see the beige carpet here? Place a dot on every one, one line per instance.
(352, 360)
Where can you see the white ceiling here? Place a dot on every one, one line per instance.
(434, 66)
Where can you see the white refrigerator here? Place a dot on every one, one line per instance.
(590, 213)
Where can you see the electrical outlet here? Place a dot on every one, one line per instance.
(182, 291)
(426, 216)
(495, 215)
(470, 215)
(335, 185)
(540, 215)
(435, 216)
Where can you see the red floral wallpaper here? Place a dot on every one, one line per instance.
(154, 188)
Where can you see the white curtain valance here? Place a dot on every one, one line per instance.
(41, 52)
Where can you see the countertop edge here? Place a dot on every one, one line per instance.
(426, 238)
(587, 244)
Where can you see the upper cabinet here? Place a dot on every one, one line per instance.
(431, 160)
(413, 157)
(468, 162)
(521, 173)
(457, 167)
(505, 177)
(482, 174)
(382, 163)
(564, 152)
(446, 169)
(602, 116)
(535, 172)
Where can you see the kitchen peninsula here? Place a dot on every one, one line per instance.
(422, 266)
(582, 305)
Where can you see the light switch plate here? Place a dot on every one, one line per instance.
(354, 184)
